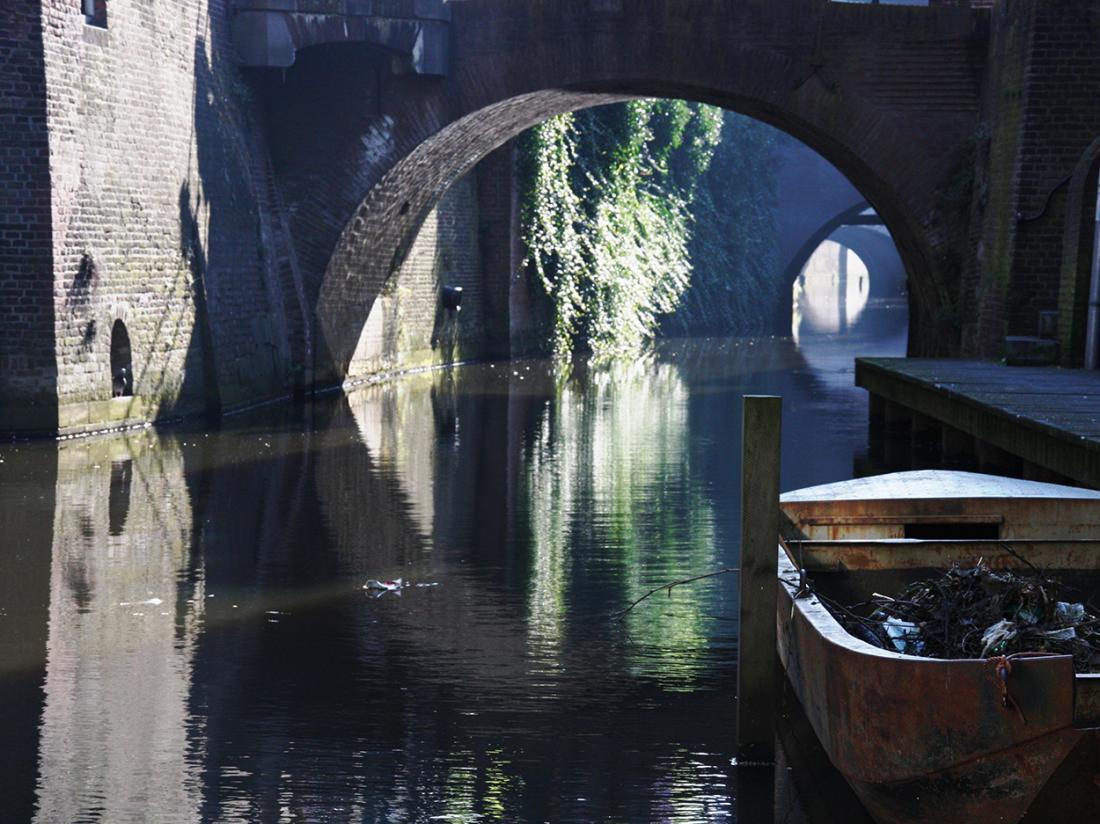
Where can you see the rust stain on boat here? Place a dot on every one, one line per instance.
(927, 740)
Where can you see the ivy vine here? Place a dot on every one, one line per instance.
(606, 217)
(646, 217)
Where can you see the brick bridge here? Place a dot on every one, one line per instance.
(889, 95)
(245, 192)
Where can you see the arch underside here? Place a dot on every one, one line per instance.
(888, 155)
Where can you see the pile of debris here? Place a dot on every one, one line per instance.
(978, 612)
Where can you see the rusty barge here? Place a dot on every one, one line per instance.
(922, 739)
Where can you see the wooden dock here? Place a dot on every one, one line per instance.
(1036, 422)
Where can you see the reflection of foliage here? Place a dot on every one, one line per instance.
(552, 487)
(477, 788)
(605, 216)
(619, 447)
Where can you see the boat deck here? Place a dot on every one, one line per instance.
(1046, 416)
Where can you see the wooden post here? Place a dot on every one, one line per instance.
(756, 681)
(876, 427)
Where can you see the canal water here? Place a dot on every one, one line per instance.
(185, 634)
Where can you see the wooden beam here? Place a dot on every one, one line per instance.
(757, 686)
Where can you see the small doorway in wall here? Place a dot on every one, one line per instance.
(122, 366)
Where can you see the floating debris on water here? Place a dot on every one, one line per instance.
(379, 588)
(385, 586)
(978, 612)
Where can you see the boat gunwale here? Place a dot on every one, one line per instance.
(832, 555)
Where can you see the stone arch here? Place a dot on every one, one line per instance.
(1078, 241)
(797, 261)
(514, 65)
(375, 242)
(876, 249)
(848, 217)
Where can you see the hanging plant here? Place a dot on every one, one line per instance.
(605, 217)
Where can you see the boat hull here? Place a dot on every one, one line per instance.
(926, 740)
(999, 787)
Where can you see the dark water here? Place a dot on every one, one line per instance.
(184, 633)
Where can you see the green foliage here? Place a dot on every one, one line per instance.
(653, 215)
(605, 217)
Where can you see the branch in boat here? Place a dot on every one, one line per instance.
(1008, 548)
(672, 584)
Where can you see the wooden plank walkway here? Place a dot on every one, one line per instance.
(1047, 416)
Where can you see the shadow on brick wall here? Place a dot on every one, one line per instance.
(235, 347)
(200, 379)
(28, 354)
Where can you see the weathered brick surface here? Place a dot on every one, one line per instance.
(154, 193)
(995, 189)
(1062, 120)
(496, 182)
(138, 185)
(518, 314)
(27, 364)
(1043, 115)
(408, 324)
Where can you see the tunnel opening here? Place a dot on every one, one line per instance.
(122, 365)
(853, 281)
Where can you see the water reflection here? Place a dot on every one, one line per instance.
(204, 649)
(610, 466)
(124, 619)
(844, 308)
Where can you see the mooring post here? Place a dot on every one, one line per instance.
(756, 671)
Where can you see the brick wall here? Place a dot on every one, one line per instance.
(137, 184)
(154, 193)
(519, 316)
(1062, 120)
(408, 325)
(1042, 115)
(28, 396)
(996, 188)
(495, 180)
